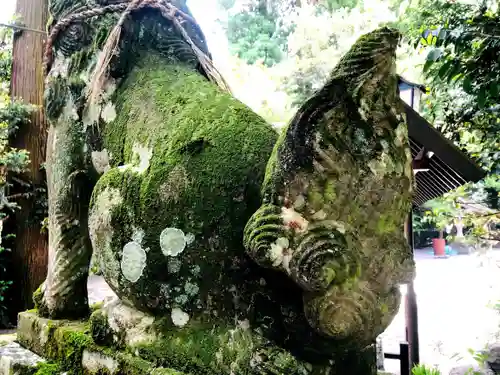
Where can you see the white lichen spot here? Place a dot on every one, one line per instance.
(191, 288)
(277, 251)
(138, 235)
(133, 261)
(189, 238)
(95, 362)
(244, 324)
(69, 111)
(94, 111)
(181, 299)
(60, 66)
(174, 265)
(143, 155)
(382, 165)
(195, 270)
(179, 317)
(293, 219)
(364, 108)
(384, 144)
(100, 161)
(108, 113)
(172, 241)
(91, 115)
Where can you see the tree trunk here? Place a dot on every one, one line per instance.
(30, 246)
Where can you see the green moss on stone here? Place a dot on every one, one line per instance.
(203, 350)
(99, 329)
(66, 346)
(208, 156)
(132, 365)
(38, 302)
(48, 368)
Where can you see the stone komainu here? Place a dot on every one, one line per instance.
(255, 253)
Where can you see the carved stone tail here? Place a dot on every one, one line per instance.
(69, 190)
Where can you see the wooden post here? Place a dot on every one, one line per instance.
(411, 313)
(30, 246)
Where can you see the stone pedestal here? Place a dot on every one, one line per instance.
(68, 345)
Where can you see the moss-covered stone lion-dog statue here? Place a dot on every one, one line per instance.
(253, 252)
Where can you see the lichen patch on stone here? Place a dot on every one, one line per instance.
(293, 219)
(100, 161)
(174, 265)
(69, 111)
(277, 252)
(108, 113)
(101, 228)
(179, 317)
(141, 157)
(144, 154)
(138, 235)
(172, 241)
(176, 182)
(133, 261)
(60, 67)
(189, 238)
(191, 289)
(91, 115)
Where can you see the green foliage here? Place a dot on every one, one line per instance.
(462, 42)
(440, 212)
(333, 5)
(424, 370)
(254, 36)
(5, 55)
(256, 32)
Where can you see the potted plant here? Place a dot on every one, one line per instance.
(440, 213)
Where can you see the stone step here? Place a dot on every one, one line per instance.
(14, 360)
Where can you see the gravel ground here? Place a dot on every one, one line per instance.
(455, 297)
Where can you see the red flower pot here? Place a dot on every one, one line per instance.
(439, 244)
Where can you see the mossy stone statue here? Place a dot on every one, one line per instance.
(255, 255)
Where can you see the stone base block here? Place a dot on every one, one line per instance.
(68, 347)
(16, 360)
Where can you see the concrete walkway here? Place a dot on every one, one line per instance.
(455, 299)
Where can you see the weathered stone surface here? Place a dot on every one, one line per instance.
(337, 191)
(16, 360)
(119, 325)
(69, 348)
(160, 172)
(8, 337)
(33, 331)
(97, 363)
